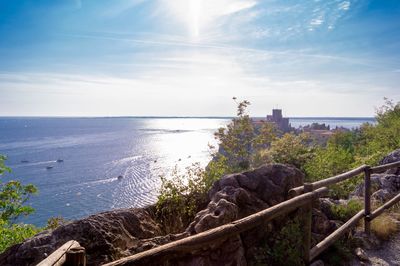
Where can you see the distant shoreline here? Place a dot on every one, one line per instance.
(190, 117)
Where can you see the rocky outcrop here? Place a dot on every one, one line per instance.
(111, 235)
(106, 236)
(386, 185)
(392, 157)
(236, 196)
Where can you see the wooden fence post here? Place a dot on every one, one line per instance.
(367, 200)
(308, 187)
(75, 257)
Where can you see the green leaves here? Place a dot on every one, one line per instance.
(15, 233)
(13, 196)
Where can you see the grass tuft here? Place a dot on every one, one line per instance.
(384, 226)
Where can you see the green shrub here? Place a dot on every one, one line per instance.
(287, 248)
(292, 149)
(13, 196)
(54, 222)
(344, 212)
(15, 233)
(181, 196)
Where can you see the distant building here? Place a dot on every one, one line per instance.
(282, 123)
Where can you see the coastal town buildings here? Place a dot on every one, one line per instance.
(280, 122)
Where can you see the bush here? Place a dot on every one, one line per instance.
(288, 245)
(15, 233)
(343, 212)
(54, 222)
(292, 149)
(181, 196)
(13, 196)
(378, 140)
(384, 226)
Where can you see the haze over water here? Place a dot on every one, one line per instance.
(95, 151)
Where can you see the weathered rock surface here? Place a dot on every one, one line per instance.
(385, 185)
(106, 236)
(111, 235)
(236, 196)
(392, 157)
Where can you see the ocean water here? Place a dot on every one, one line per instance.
(95, 151)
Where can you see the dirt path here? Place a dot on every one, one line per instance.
(386, 255)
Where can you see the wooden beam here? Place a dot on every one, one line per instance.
(57, 258)
(367, 200)
(385, 206)
(307, 223)
(329, 181)
(329, 240)
(209, 237)
(382, 168)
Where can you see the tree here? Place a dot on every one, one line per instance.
(13, 196)
(292, 149)
(236, 140)
(378, 140)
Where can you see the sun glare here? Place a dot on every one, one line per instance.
(195, 8)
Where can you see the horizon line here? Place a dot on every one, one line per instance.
(189, 117)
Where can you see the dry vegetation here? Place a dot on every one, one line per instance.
(384, 226)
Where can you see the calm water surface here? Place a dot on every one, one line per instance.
(95, 151)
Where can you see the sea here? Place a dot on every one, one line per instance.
(83, 166)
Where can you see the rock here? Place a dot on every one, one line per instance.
(236, 196)
(392, 157)
(317, 263)
(361, 255)
(384, 187)
(106, 236)
(321, 225)
(326, 205)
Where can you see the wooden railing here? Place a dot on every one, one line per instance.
(302, 197)
(69, 254)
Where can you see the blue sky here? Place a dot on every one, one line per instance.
(190, 57)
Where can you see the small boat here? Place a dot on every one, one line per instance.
(24, 161)
(60, 160)
(49, 167)
(120, 177)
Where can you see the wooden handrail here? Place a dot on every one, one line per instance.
(219, 233)
(329, 240)
(382, 168)
(58, 257)
(384, 207)
(329, 181)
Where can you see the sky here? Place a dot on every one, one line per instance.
(190, 57)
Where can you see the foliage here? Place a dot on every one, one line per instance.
(343, 212)
(288, 245)
(13, 196)
(236, 140)
(180, 197)
(15, 233)
(340, 251)
(330, 161)
(54, 222)
(384, 226)
(292, 149)
(378, 140)
(281, 247)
